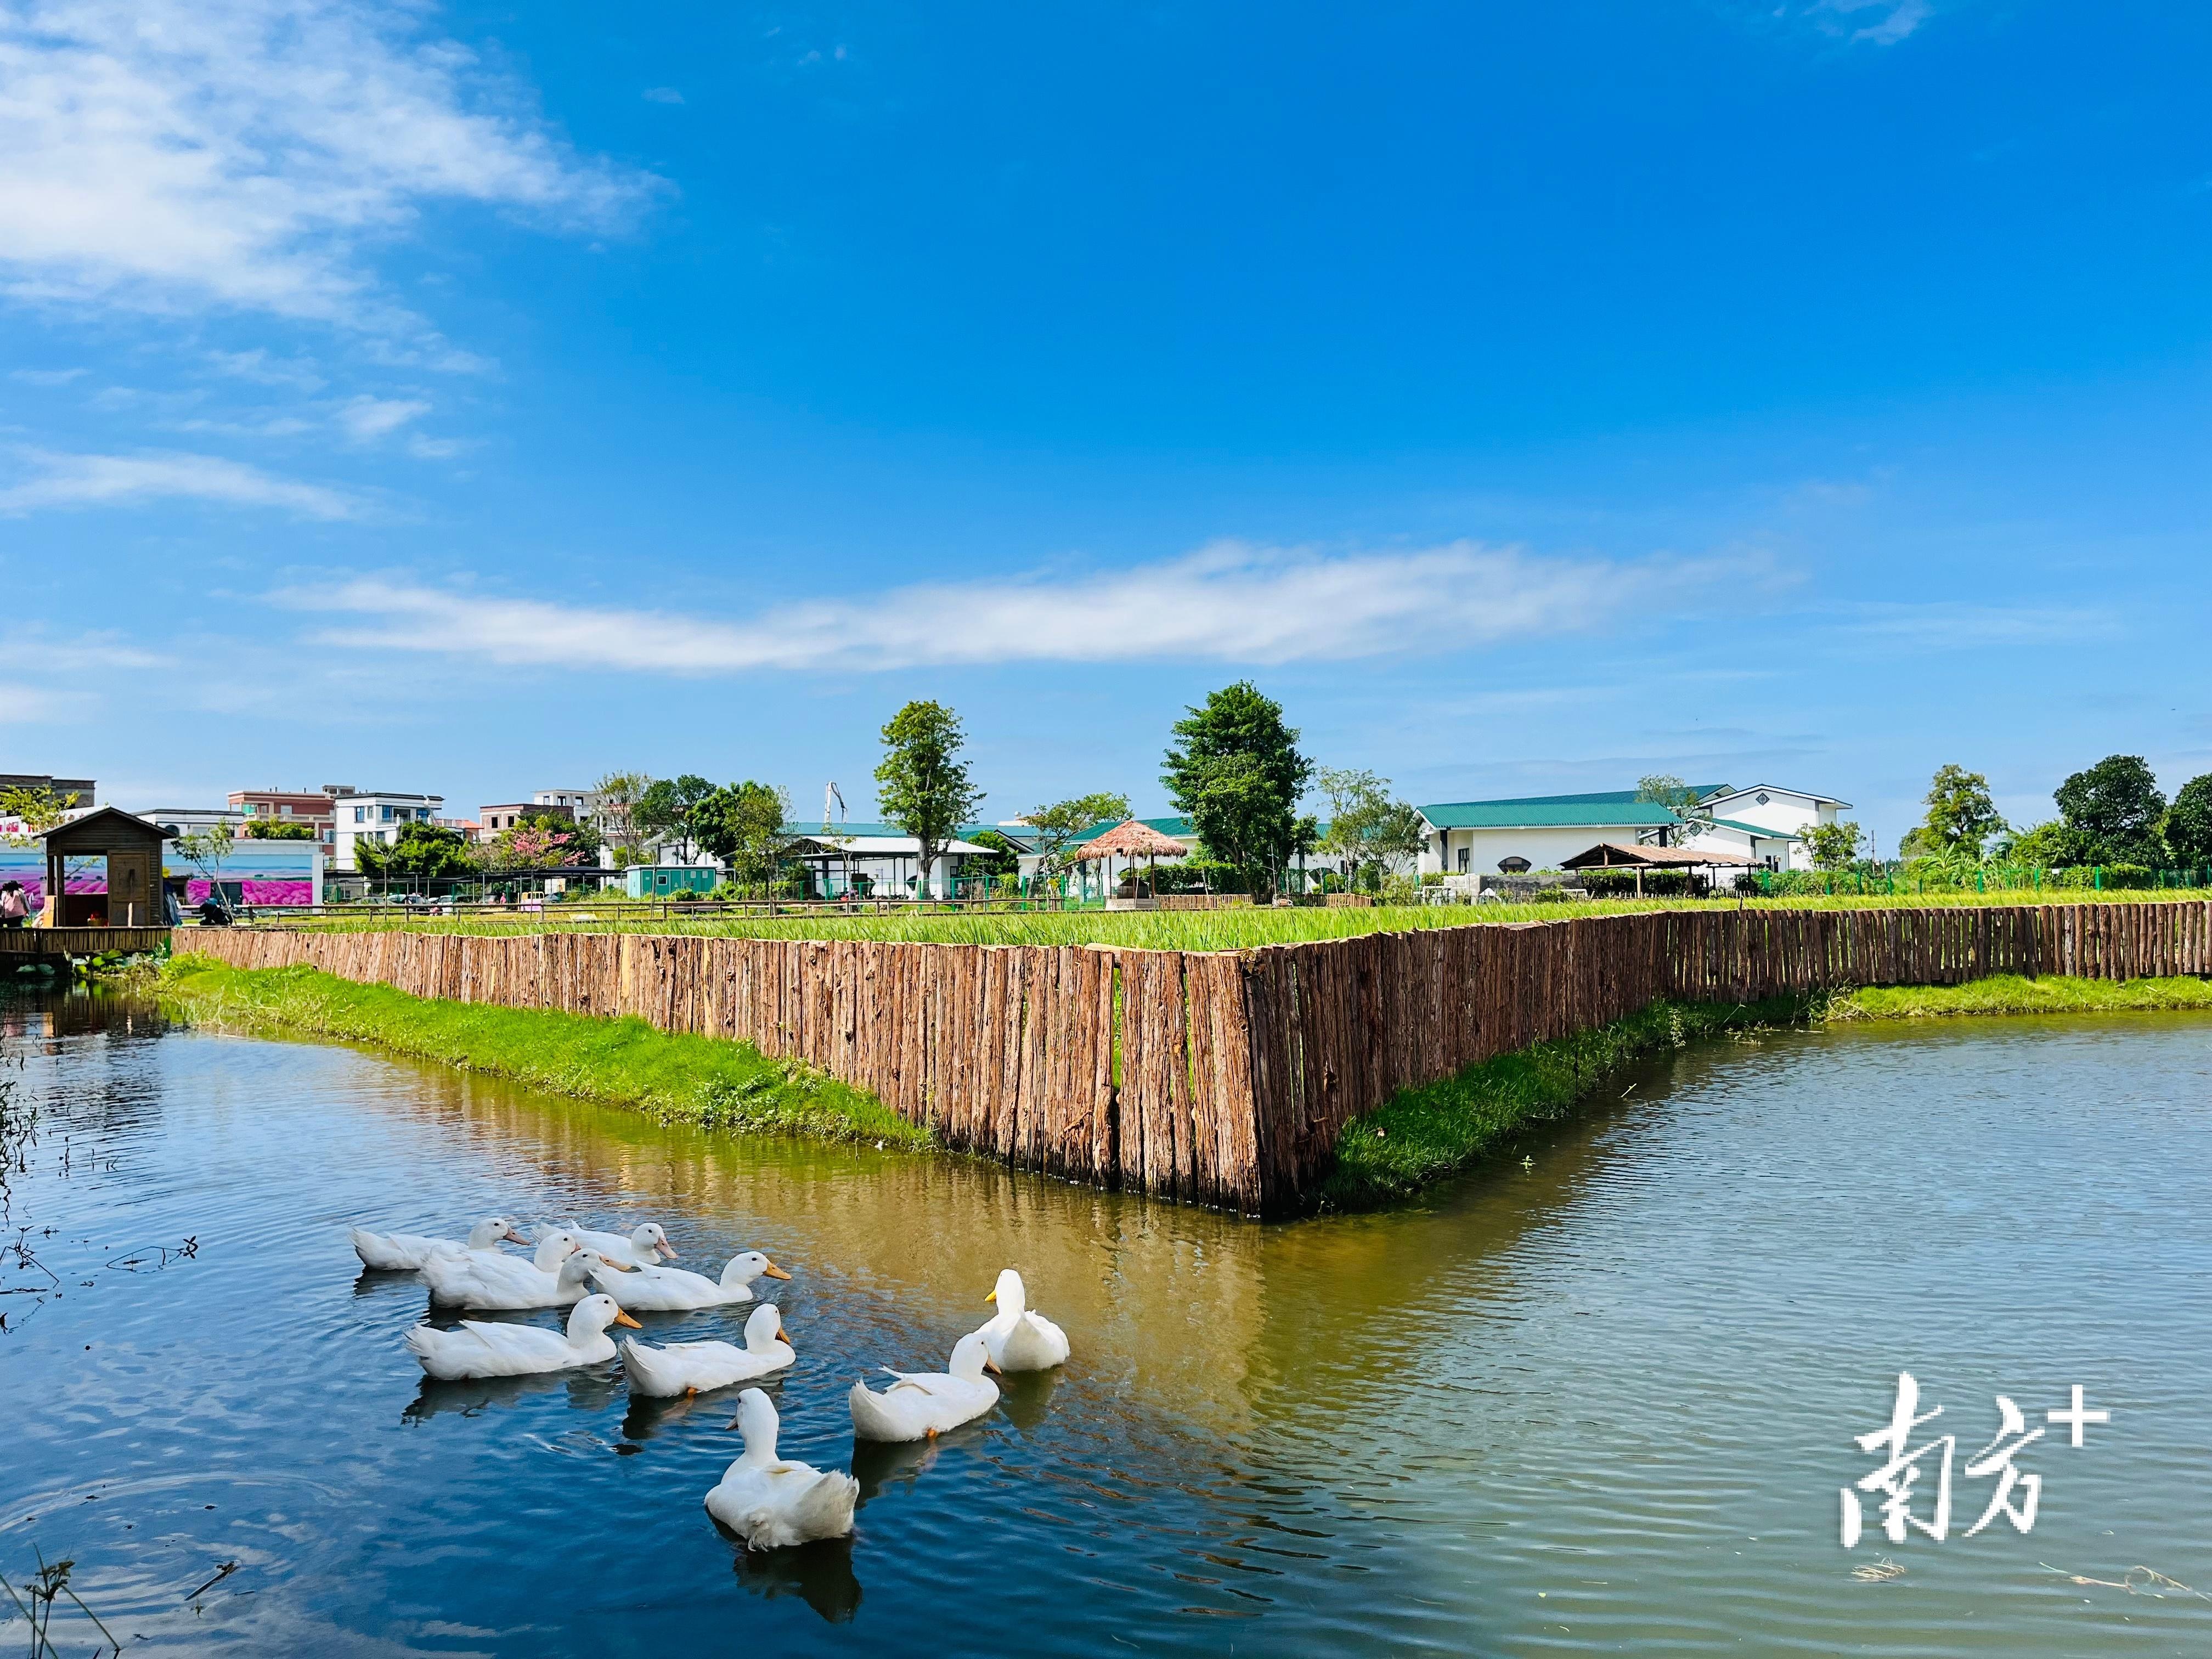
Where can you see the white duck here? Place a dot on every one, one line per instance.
(406, 1252)
(770, 1503)
(553, 1278)
(481, 1349)
(642, 1247)
(673, 1290)
(922, 1404)
(697, 1367)
(1020, 1340)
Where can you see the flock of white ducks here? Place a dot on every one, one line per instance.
(601, 1277)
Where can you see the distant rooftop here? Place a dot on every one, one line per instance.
(1603, 806)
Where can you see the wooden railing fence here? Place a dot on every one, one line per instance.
(1219, 1078)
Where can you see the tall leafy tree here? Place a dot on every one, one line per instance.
(618, 793)
(922, 784)
(1369, 830)
(663, 812)
(1235, 770)
(1961, 816)
(38, 809)
(742, 824)
(1833, 846)
(2114, 806)
(2189, 822)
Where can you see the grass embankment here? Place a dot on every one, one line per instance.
(1430, 1132)
(1161, 930)
(2011, 994)
(621, 1062)
(1420, 1135)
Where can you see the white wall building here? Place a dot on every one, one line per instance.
(1751, 826)
(375, 814)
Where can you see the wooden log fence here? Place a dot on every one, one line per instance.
(1219, 1078)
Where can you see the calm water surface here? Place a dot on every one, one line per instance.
(1605, 1403)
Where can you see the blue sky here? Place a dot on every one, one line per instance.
(479, 398)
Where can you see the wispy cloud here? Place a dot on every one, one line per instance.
(1228, 602)
(33, 651)
(175, 154)
(45, 377)
(1965, 623)
(365, 419)
(70, 481)
(663, 96)
(1894, 21)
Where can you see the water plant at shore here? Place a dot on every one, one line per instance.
(678, 1078)
(2015, 993)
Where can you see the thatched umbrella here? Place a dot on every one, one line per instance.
(1133, 839)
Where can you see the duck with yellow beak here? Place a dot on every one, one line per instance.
(675, 1289)
(697, 1367)
(476, 1348)
(1018, 1339)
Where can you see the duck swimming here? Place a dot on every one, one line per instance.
(697, 1367)
(770, 1503)
(921, 1404)
(1020, 1340)
(481, 1349)
(407, 1252)
(674, 1290)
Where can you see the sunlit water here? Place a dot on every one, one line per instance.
(1605, 1403)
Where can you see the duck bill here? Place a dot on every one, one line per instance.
(994, 1296)
(992, 1365)
(619, 1267)
(512, 1236)
(774, 1271)
(783, 1336)
(622, 1318)
(666, 1249)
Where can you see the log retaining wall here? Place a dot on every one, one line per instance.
(1219, 1079)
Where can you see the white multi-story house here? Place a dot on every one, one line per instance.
(1756, 827)
(375, 814)
(583, 805)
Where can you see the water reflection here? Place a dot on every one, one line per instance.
(1603, 1400)
(820, 1574)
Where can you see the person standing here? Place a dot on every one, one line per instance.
(14, 904)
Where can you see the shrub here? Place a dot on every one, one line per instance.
(1657, 884)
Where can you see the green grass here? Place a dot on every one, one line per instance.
(621, 1062)
(1166, 930)
(1420, 1135)
(2010, 993)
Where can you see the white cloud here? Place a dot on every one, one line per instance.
(174, 154)
(264, 368)
(103, 480)
(45, 377)
(366, 419)
(1899, 18)
(1965, 623)
(34, 652)
(1229, 603)
(663, 96)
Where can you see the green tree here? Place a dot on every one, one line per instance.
(418, 852)
(2115, 806)
(2189, 823)
(1006, 858)
(922, 784)
(619, 793)
(2050, 845)
(742, 824)
(1368, 831)
(207, 851)
(1961, 816)
(663, 812)
(1237, 772)
(1059, 824)
(39, 810)
(1833, 846)
(277, 829)
(1692, 818)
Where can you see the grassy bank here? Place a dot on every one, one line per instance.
(1430, 1132)
(2010, 993)
(1420, 1135)
(1164, 930)
(621, 1062)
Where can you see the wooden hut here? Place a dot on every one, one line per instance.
(131, 846)
(1131, 840)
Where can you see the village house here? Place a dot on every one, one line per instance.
(1755, 828)
(374, 815)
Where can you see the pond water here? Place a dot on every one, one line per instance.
(1606, 1401)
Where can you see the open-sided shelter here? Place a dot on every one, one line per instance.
(132, 850)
